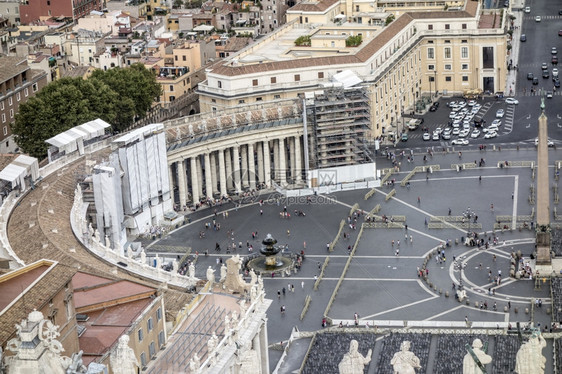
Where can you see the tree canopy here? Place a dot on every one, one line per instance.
(116, 96)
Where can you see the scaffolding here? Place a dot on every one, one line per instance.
(340, 119)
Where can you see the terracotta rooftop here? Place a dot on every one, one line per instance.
(105, 326)
(109, 293)
(12, 287)
(227, 69)
(35, 298)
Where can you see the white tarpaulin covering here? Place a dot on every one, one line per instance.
(203, 28)
(30, 164)
(15, 175)
(72, 139)
(347, 78)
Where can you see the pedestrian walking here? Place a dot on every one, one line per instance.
(419, 200)
(411, 239)
(302, 285)
(283, 309)
(278, 294)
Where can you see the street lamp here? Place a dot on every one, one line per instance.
(435, 79)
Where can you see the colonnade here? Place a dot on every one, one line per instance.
(236, 168)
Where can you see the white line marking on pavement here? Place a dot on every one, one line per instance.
(400, 307)
(445, 312)
(514, 198)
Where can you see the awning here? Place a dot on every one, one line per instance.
(31, 165)
(14, 174)
(203, 28)
(347, 78)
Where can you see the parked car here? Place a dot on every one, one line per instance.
(500, 113)
(511, 100)
(490, 135)
(475, 133)
(460, 142)
(538, 19)
(554, 60)
(549, 94)
(404, 137)
(530, 76)
(545, 74)
(544, 66)
(426, 136)
(527, 9)
(556, 82)
(549, 142)
(554, 51)
(535, 81)
(523, 37)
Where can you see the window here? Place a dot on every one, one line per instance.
(2, 105)
(464, 66)
(447, 41)
(175, 58)
(158, 314)
(18, 96)
(276, 96)
(143, 359)
(320, 75)
(447, 79)
(5, 130)
(3, 118)
(432, 79)
(151, 350)
(160, 338)
(297, 77)
(430, 27)
(242, 101)
(431, 53)
(447, 26)
(464, 52)
(171, 88)
(149, 325)
(463, 26)
(259, 99)
(305, 19)
(430, 67)
(447, 66)
(488, 57)
(35, 87)
(254, 82)
(219, 83)
(184, 58)
(273, 80)
(10, 101)
(447, 51)
(465, 78)
(141, 335)
(11, 113)
(464, 41)
(357, 8)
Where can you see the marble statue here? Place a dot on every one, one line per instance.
(194, 364)
(530, 359)
(158, 262)
(97, 236)
(227, 322)
(243, 308)
(253, 293)
(90, 229)
(405, 361)
(211, 275)
(469, 366)
(122, 359)
(233, 281)
(129, 253)
(107, 242)
(354, 362)
(143, 257)
(260, 283)
(37, 350)
(212, 343)
(191, 271)
(223, 273)
(253, 277)
(175, 266)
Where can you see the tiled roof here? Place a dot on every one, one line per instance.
(12, 66)
(36, 298)
(319, 6)
(110, 293)
(361, 56)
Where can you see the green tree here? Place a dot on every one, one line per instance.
(58, 107)
(135, 82)
(389, 19)
(303, 41)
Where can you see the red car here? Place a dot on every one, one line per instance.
(559, 32)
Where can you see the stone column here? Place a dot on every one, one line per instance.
(266, 164)
(251, 166)
(263, 343)
(291, 142)
(194, 181)
(236, 168)
(298, 159)
(276, 160)
(171, 179)
(199, 169)
(229, 181)
(213, 159)
(244, 166)
(259, 151)
(182, 184)
(208, 178)
(222, 173)
(282, 163)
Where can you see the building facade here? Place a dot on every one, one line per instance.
(396, 62)
(18, 82)
(34, 10)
